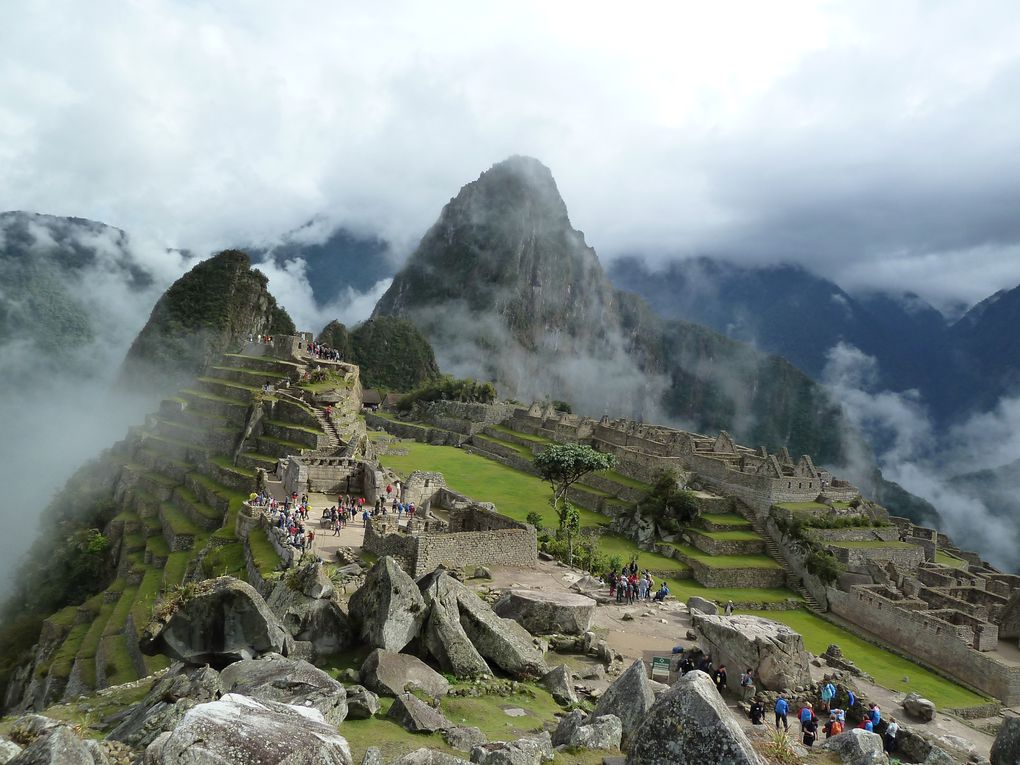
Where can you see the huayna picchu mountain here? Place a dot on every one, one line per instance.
(216, 305)
(507, 290)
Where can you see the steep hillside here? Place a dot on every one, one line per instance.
(507, 290)
(987, 336)
(205, 312)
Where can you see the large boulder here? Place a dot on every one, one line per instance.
(240, 729)
(361, 703)
(544, 612)
(919, 708)
(1006, 747)
(690, 725)
(218, 622)
(530, 750)
(774, 651)
(58, 746)
(287, 681)
(578, 732)
(429, 757)
(629, 697)
(502, 642)
(306, 604)
(560, 683)
(388, 608)
(857, 747)
(694, 603)
(390, 674)
(464, 738)
(415, 716)
(166, 703)
(446, 641)
(8, 751)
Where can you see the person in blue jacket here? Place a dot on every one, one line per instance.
(782, 710)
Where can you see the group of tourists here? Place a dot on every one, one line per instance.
(348, 508)
(290, 517)
(836, 723)
(629, 586)
(264, 339)
(320, 351)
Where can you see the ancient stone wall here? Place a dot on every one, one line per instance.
(421, 487)
(330, 475)
(858, 557)
(507, 547)
(931, 642)
(462, 417)
(475, 517)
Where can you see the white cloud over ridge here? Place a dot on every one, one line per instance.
(873, 143)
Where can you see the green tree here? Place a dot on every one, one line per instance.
(668, 500)
(563, 465)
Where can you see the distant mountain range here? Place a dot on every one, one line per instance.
(958, 367)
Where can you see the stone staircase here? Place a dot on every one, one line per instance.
(333, 440)
(773, 550)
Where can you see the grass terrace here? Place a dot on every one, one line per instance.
(516, 494)
(871, 544)
(949, 560)
(725, 519)
(623, 480)
(731, 536)
(727, 561)
(521, 451)
(888, 669)
(526, 436)
(801, 507)
(175, 569)
(226, 560)
(263, 553)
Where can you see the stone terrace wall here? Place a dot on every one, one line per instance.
(462, 417)
(507, 547)
(326, 474)
(928, 641)
(858, 557)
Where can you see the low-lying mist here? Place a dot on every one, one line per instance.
(925, 461)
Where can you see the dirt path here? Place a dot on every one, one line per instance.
(660, 626)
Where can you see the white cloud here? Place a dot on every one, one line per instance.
(867, 142)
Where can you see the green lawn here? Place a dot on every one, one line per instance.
(484, 712)
(516, 494)
(887, 668)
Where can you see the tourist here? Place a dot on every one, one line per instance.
(747, 685)
(642, 588)
(662, 593)
(850, 699)
(720, 678)
(874, 714)
(729, 608)
(867, 725)
(806, 714)
(782, 709)
(810, 729)
(890, 735)
(757, 713)
(612, 582)
(828, 694)
(650, 587)
(835, 726)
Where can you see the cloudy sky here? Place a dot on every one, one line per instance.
(875, 142)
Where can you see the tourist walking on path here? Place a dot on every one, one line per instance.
(729, 608)
(782, 710)
(807, 714)
(747, 689)
(720, 678)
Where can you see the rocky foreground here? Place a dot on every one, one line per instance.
(241, 690)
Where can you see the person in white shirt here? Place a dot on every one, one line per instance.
(890, 735)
